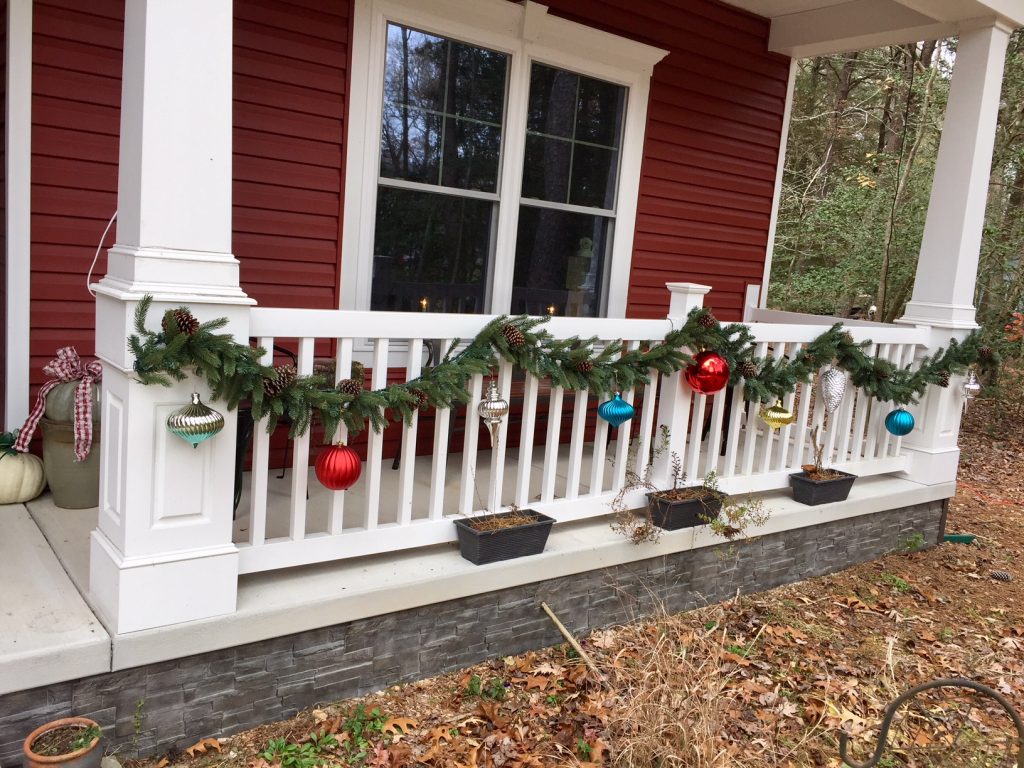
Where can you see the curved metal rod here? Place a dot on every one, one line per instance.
(890, 712)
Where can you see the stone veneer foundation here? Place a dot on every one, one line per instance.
(148, 709)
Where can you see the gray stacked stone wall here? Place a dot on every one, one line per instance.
(172, 704)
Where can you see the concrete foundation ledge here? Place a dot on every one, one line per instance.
(221, 691)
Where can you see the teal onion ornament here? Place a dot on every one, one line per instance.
(195, 422)
(900, 422)
(616, 411)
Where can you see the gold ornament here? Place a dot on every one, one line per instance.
(492, 409)
(776, 416)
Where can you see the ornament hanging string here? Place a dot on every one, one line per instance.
(67, 366)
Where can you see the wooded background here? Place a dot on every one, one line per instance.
(862, 145)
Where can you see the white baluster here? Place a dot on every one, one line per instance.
(467, 490)
(407, 468)
(579, 425)
(300, 454)
(547, 490)
(336, 505)
(375, 440)
(498, 451)
(439, 461)
(526, 437)
(260, 464)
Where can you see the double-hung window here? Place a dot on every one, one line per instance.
(491, 171)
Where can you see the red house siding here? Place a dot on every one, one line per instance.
(713, 129)
(291, 61)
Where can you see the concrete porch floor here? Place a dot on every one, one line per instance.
(48, 632)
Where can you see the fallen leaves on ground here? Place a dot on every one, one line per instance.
(762, 680)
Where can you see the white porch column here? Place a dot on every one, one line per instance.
(947, 269)
(674, 398)
(163, 553)
(948, 265)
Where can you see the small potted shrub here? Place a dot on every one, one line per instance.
(505, 535)
(684, 506)
(817, 485)
(71, 742)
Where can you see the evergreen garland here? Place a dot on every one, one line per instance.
(234, 373)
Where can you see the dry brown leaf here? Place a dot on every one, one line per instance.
(201, 746)
(400, 725)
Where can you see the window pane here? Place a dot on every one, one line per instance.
(560, 262)
(444, 104)
(471, 155)
(410, 144)
(574, 129)
(593, 176)
(553, 94)
(546, 169)
(479, 90)
(601, 108)
(430, 246)
(414, 68)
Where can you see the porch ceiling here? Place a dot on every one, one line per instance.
(815, 27)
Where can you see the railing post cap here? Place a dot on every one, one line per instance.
(688, 289)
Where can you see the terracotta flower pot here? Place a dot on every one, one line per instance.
(86, 757)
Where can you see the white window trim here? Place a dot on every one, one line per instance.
(528, 33)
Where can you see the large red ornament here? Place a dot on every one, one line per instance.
(338, 467)
(709, 372)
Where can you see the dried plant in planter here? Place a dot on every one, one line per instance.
(818, 484)
(490, 537)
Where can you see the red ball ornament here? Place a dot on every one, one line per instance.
(709, 372)
(338, 467)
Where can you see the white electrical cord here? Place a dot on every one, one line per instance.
(95, 258)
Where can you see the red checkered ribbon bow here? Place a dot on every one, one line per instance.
(67, 366)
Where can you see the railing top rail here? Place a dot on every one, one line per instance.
(359, 324)
(779, 332)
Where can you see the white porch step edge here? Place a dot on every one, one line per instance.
(47, 632)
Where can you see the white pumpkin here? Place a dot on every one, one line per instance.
(21, 478)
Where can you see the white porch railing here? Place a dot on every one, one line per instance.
(299, 522)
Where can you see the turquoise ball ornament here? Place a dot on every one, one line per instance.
(900, 422)
(616, 411)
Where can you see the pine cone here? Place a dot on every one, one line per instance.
(586, 365)
(943, 379)
(985, 353)
(810, 359)
(422, 398)
(179, 320)
(707, 320)
(350, 386)
(847, 337)
(284, 375)
(513, 335)
(748, 370)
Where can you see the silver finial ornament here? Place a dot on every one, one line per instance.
(971, 387)
(492, 409)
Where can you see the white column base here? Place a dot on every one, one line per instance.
(932, 467)
(131, 594)
(937, 315)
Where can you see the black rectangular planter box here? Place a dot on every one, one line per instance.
(815, 492)
(482, 547)
(671, 515)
